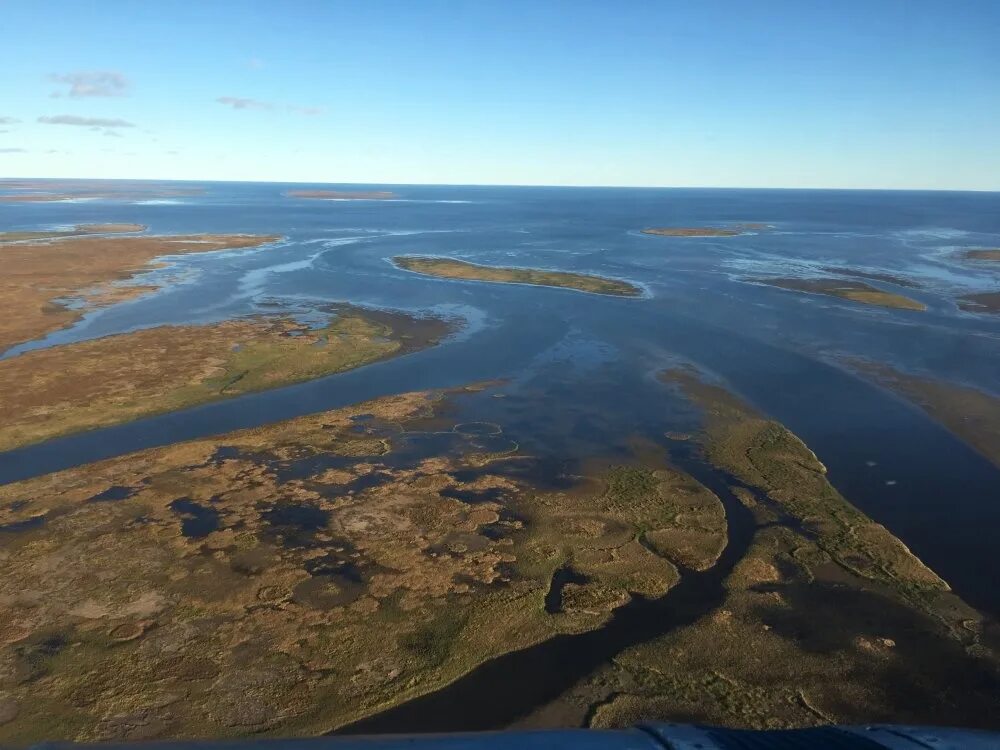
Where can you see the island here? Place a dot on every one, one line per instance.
(379, 566)
(50, 283)
(988, 254)
(732, 231)
(343, 195)
(855, 291)
(449, 268)
(114, 379)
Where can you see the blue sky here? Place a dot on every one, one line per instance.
(766, 93)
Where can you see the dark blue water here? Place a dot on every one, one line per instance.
(582, 367)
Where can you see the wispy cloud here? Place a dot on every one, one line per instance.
(237, 102)
(91, 83)
(255, 63)
(8, 120)
(86, 122)
(13, 150)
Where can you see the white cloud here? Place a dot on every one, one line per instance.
(8, 120)
(91, 83)
(88, 122)
(237, 102)
(13, 150)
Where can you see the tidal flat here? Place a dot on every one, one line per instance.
(448, 268)
(113, 379)
(854, 291)
(40, 276)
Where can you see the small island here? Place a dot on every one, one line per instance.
(986, 253)
(448, 268)
(343, 195)
(855, 291)
(732, 231)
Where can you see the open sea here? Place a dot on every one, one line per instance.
(580, 370)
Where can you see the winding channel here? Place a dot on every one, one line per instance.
(503, 689)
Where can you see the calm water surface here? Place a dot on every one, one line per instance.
(582, 368)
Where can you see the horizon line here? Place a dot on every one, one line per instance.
(515, 185)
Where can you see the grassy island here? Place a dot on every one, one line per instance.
(732, 231)
(40, 276)
(447, 268)
(989, 254)
(855, 291)
(114, 379)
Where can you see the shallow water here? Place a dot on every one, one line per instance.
(581, 368)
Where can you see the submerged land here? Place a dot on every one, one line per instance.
(371, 561)
(114, 379)
(970, 413)
(78, 230)
(357, 195)
(50, 283)
(980, 302)
(855, 291)
(448, 268)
